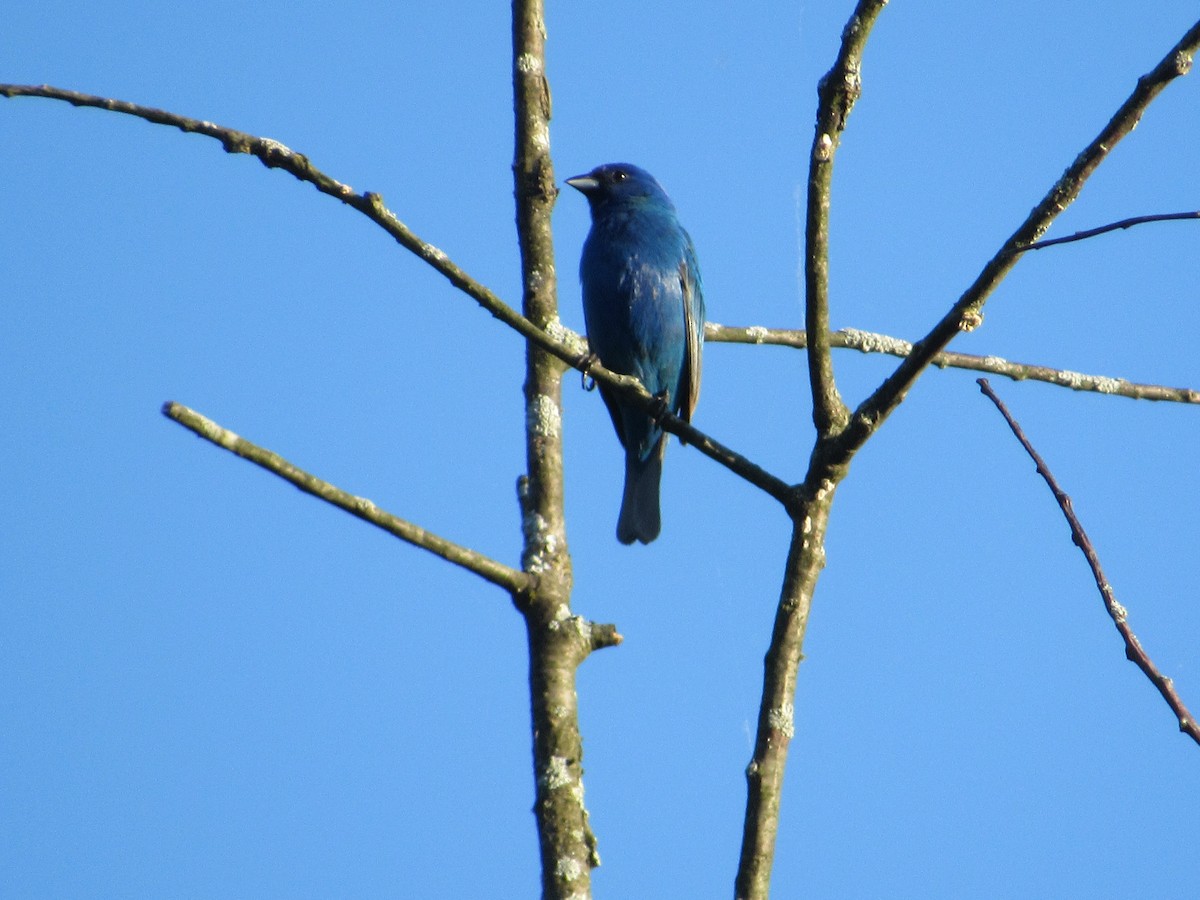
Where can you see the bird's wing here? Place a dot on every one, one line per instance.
(693, 321)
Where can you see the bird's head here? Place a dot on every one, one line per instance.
(618, 183)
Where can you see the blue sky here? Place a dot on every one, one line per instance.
(215, 686)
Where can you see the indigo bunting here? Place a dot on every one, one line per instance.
(644, 311)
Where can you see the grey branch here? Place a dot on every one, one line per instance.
(1120, 616)
(497, 573)
(871, 342)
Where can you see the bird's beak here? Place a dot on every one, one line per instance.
(584, 183)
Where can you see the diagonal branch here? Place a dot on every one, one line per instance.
(554, 338)
(274, 155)
(837, 93)
(872, 342)
(968, 311)
(486, 568)
(1133, 647)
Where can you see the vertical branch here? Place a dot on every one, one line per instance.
(535, 193)
(558, 642)
(837, 93)
(776, 715)
(810, 503)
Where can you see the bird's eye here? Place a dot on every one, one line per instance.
(619, 175)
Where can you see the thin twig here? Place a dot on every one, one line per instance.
(1104, 229)
(489, 569)
(1133, 647)
(871, 342)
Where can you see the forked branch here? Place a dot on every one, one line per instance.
(838, 439)
(968, 311)
(810, 503)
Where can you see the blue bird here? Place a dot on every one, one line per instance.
(644, 310)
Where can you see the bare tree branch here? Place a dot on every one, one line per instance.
(1120, 616)
(559, 341)
(837, 93)
(777, 710)
(809, 505)
(836, 444)
(1105, 229)
(565, 838)
(967, 313)
(558, 640)
(274, 155)
(635, 393)
(489, 569)
(871, 342)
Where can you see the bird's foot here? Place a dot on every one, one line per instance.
(661, 409)
(584, 364)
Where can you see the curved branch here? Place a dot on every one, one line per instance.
(486, 568)
(967, 313)
(1120, 616)
(837, 93)
(871, 342)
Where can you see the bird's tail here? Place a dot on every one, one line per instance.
(639, 519)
